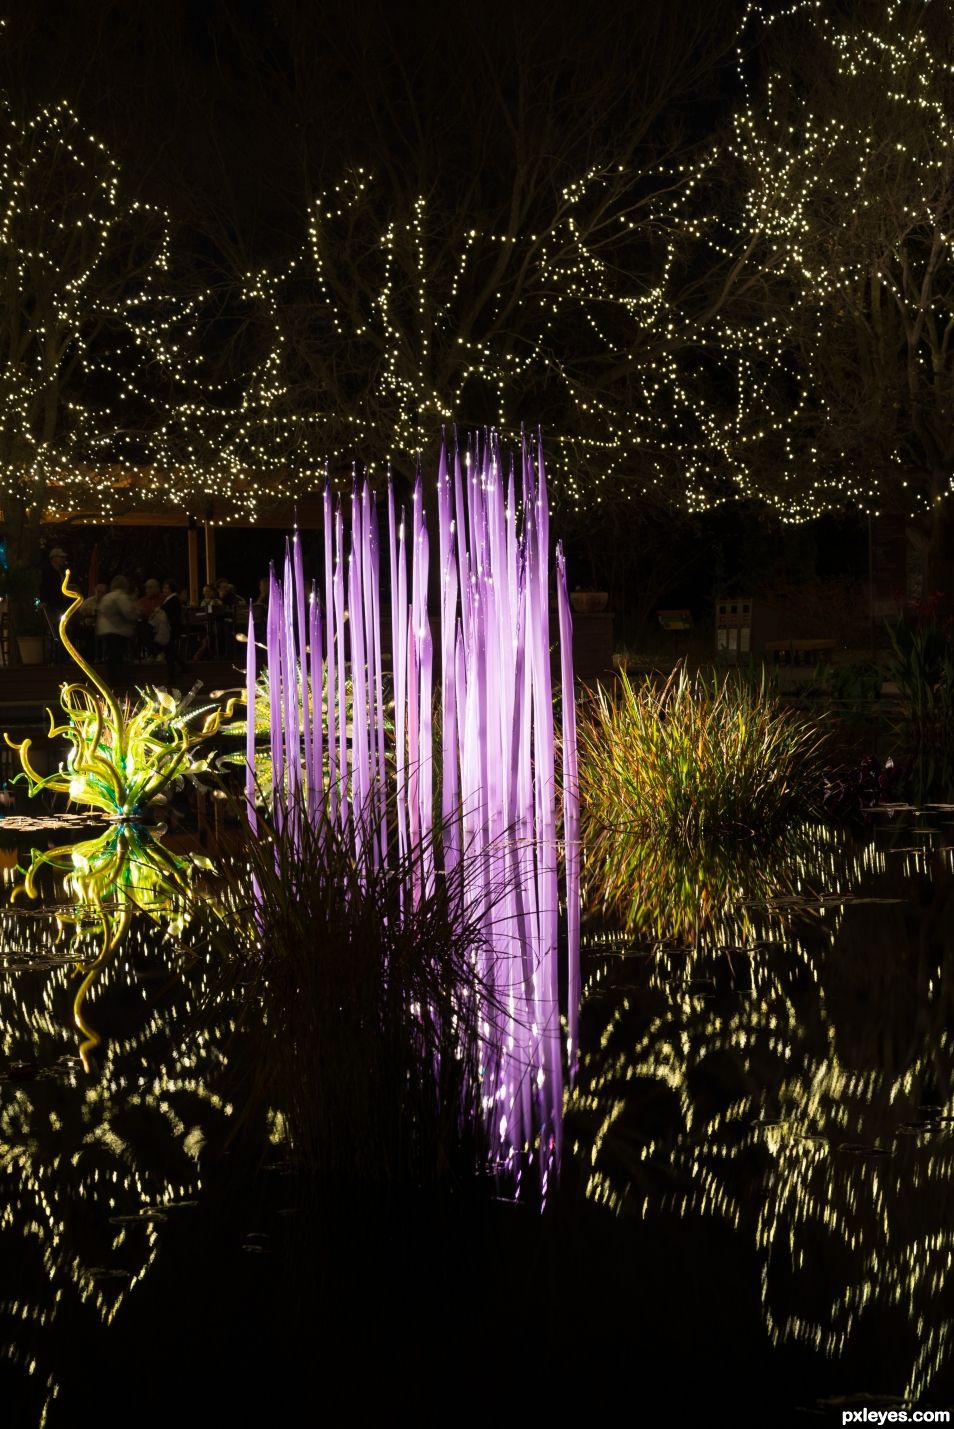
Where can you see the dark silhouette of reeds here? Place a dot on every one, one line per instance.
(359, 1007)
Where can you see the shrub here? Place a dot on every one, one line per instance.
(672, 781)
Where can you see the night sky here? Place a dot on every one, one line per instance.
(233, 115)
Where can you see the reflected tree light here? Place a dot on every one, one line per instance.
(828, 1143)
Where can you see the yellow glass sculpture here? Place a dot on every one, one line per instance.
(124, 755)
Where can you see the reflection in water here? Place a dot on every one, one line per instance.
(792, 1077)
(788, 1076)
(106, 880)
(722, 893)
(125, 755)
(92, 1165)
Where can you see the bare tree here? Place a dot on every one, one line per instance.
(485, 252)
(813, 343)
(477, 198)
(86, 323)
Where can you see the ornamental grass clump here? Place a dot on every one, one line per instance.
(676, 778)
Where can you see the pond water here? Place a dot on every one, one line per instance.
(767, 1117)
(757, 1211)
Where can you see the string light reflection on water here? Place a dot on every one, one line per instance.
(91, 1166)
(786, 1074)
(794, 1051)
(790, 1075)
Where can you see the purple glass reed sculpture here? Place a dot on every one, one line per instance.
(498, 804)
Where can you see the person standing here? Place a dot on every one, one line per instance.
(214, 613)
(148, 602)
(115, 627)
(51, 582)
(159, 633)
(260, 609)
(225, 617)
(151, 597)
(226, 593)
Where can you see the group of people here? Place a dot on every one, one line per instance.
(114, 620)
(117, 622)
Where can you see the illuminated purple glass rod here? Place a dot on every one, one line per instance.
(490, 813)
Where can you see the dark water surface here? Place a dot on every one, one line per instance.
(757, 1215)
(767, 1120)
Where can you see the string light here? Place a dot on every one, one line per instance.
(771, 320)
(109, 393)
(816, 368)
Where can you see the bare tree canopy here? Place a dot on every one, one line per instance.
(484, 250)
(89, 331)
(815, 359)
(244, 113)
(388, 221)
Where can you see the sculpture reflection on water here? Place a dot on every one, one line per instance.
(92, 1167)
(457, 786)
(785, 1069)
(447, 770)
(106, 880)
(789, 1076)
